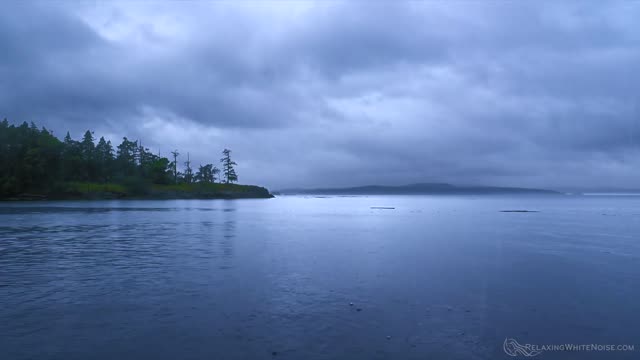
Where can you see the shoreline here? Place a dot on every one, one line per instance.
(92, 191)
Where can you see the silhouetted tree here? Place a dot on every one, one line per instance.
(207, 174)
(104, 160)
(175, 154)
(228, 169)
(73, 160)
(87, 149)
(30, 159)
(126, 157)
(188, 171)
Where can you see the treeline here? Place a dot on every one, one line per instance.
(33, 160)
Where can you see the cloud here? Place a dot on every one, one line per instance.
(337, 93)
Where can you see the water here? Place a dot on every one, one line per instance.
(443, 277)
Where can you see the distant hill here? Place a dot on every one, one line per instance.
(604, 191)
(418, 189)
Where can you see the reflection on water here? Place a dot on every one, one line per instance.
(317, 278)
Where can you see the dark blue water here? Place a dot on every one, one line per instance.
(434, 278)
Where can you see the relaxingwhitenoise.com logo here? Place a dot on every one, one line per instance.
(513, 348)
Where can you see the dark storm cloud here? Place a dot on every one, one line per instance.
(524, 94)
(39, 46)
(58, 67)
(340, 41)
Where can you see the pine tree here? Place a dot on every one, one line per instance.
(87, 149)
(104, 159)
(188, 171)
(228, 170)
(175, 154)
(126, 159)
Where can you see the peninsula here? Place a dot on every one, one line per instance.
(36, 165)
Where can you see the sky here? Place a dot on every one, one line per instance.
(342, 93)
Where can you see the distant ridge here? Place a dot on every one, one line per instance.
(418, 189)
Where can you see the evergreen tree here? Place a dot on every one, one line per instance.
(29, 159)
(188, 171)
(175, 154)
(207, 174)
(104, 160)
(228, 169)
(154, 167)
(87, 148)
(214, 172)
(73, 163)
(126, 158)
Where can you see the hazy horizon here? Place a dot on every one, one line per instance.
(567, 189)
(339, 94)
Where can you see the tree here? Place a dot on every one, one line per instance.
(87, 149)
(73, 163)
(160, 170)
(104, 160)
(30, 159)
(87, 145)
(188, 171)
(228, 170)
(207, 174)
(175, 154)
(214, 171)
(126, 158)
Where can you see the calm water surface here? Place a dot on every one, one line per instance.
(434, 278)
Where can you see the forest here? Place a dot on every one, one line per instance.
(34, 164)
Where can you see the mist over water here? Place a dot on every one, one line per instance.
(428, 277)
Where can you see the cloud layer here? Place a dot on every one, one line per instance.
(342, 93)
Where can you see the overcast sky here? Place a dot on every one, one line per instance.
(334, 93)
